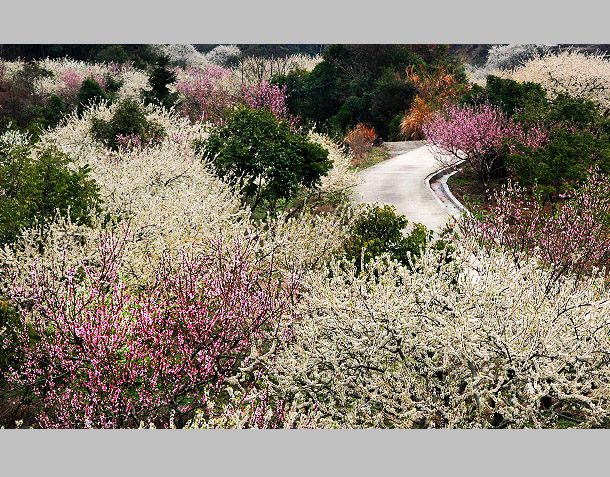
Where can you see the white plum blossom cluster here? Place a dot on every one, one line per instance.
(255, 409)
(579, 74)
(221, 55)
(67, 76)
(342, 176)
(501, 57)
(171, 201)
(65, 71)
(472, 342)
(188, 56)
(13, 138)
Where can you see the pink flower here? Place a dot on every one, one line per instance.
(107, 356)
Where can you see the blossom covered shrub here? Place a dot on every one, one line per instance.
(211, 94)
(106, 357)
(476, 342)
(342, 176)
(578, 74)
(208, 95)
(480, 134)
(171, 199)
(65, 78)
(502, 57)
(573, 238)
(270, 96)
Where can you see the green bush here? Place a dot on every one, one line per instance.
(578, 112)
(263, 157)
(128, 119)
(315, 96)
(562, 163)
(90, 92)
(33, 190)
(55, 110)
(509, 95)
(355, 110)
(392, 96)
(112, 53)
(378, 230)
(394, 130)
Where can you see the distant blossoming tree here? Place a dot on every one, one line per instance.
(479, 135)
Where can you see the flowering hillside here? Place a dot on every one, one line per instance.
(179, 246)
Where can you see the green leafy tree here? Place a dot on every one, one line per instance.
(128, 120)
(315, 96)
(366, 62)
(562, 163)
(90, 92)
(34, 189)
(391, 97)
(112, 53)
(262, 156)
(510, 96)
(355, 110)
(379, 230)
(577, 112)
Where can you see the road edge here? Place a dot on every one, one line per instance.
(445, 173)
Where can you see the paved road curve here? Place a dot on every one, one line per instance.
(401, 181)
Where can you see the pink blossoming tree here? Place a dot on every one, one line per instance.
(71, 81)
(267, 95)
(103, 356)
(479, 134)
(211, 93)
(206, 92)
(574, 238)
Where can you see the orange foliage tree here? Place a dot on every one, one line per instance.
(434, 90)
(360, 140)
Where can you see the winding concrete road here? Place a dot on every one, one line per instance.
(401, 182)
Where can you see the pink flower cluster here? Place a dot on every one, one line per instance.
(119, 68)
(100, 355)
(478, 134)
(72, 81)
(534, 136)
(267, 95)
(573, 238)
(209, 95)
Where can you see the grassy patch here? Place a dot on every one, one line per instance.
(372, 157)
(467, 188)
(316, 203)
